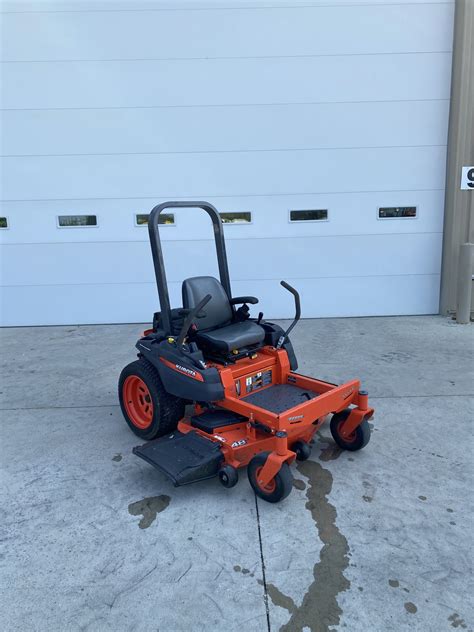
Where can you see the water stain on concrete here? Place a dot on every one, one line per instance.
(148, 508)
(118, 457)
(456, 621)
(394, 583)
(410, 607)
(319, 608)
(322, 439)
(299, 484)
(281, 600)
(244, 571)
(331, 451)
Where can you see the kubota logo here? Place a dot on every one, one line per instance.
(185, 370)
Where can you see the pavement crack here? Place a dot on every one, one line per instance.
(264, 580)
(219, 609)
(128, 589)
(185, 573)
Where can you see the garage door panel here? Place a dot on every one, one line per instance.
(225, 129)
(226, 81)
(273, 259)
(375, 296)
(342, 256)
(349, 214)
(69, 304)
(204, 175)
(102, 263)
(239, 32)
(347, 297)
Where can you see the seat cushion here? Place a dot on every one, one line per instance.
(235, 336)
(218, 311)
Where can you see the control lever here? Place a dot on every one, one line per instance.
(283, 337)
(193, 313)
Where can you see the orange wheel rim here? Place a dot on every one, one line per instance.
(269, 487)
(138, 403)
(350, 438)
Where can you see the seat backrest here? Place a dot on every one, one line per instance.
(218, 310)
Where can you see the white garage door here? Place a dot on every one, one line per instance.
(110, 108)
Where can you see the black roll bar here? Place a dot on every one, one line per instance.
(157, 253)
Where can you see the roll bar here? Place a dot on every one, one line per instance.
(157, 253)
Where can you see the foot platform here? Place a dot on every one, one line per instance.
(183, 457)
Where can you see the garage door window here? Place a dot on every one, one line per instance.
(316, 215)
(236, 218)
(77, 221)
(3, 222)
(397, 212)
(167, 219)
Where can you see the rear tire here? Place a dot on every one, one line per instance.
(357, 440)
(278, 488)
(148, 409)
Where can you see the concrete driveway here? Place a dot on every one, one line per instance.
(93, 538)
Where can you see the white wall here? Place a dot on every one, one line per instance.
(264, 109)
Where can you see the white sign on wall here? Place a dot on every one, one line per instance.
(467, 178)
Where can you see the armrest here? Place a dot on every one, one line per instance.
(244, 299)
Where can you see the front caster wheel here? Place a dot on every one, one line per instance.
(302, 449)
(280, 485)
(357, 440)
(228, 476)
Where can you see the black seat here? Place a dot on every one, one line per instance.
(217, 330)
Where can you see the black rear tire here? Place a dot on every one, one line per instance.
(278, 488)
(167, 409)
(357, 440)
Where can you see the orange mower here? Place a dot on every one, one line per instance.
(246, 404)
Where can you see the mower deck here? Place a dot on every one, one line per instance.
(184, 458)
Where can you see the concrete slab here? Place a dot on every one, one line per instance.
(394, 524)
(94, 539)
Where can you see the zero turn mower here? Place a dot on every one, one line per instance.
(249, 405)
